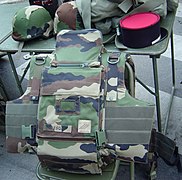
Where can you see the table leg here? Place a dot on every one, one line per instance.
(156, 86)
(132, 170)
(15, 73)
(25, 72)
(173, 84)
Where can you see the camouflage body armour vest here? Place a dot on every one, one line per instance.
(86, 117)
(73, 133)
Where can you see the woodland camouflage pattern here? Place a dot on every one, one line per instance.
(28, 102)
(79, 47)
(32, 22)
(71, 104)
(82, 156)
(70, 99)
(129, 152)
(67, 17)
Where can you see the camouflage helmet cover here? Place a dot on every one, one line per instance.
(32, 22)
(67, 17)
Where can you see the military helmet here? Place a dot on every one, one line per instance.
(32, 22)
(67, 17)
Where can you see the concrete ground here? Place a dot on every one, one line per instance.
(23, 166)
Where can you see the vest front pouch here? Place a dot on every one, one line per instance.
(72, 93)
(70, 107)
(77, 156)
(20, 127)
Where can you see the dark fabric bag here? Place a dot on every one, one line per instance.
(50, 5)
(166, 149)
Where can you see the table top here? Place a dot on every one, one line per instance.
(48, 46)
(7, 12)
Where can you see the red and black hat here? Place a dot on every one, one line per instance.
(140, 30)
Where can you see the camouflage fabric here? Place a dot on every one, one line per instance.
(71, 104)
(69, 90)
(21, 113)
(32, 22)
(70, 99)
(114, 63)
(130, 152)
(67, 17)
(82, 157)
(127, 119)
(71, 107)
(86, 45)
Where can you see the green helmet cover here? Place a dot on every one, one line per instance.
(67, 17)
(32, 22)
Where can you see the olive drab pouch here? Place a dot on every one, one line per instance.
(165, 148)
